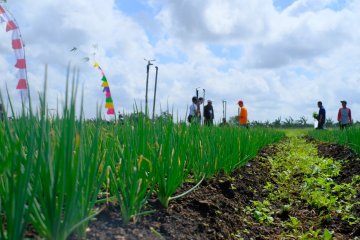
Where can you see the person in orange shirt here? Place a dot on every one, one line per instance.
(243, 116)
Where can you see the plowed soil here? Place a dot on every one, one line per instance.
(216, 209)
(213, 211)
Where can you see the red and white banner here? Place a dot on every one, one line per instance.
(17, 45)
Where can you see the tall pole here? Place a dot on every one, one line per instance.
(147, 85)
(223, 105)
(225, 109)
(197, 102)
(156, 75)
(202, 119)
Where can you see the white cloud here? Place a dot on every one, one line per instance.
(283, 61)
(52, 28)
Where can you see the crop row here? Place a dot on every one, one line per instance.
(349, 137)
(56, 172)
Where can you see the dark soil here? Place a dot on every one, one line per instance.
(351, 167)
(216, 210)
(340, 152)
(213, 211)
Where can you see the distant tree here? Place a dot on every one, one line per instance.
(288, 122)
(260, 124)
(135, 116)
(329, 123)
(277, 122)
(165, 116)
(256, 123)
(302, 121)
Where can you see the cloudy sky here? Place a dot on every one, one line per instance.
(279, 56)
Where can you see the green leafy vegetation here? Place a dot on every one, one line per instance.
(349, 137)
(303, 182)
(56, 172)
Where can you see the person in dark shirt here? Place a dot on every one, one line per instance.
(208, 113)
(321, 116)
(2, 112)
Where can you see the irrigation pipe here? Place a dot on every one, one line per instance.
(188, 191)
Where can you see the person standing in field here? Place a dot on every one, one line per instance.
(2, 112)
(344, 115)
(243, 116)
(321, 116)
(208, 114)
(194, 110)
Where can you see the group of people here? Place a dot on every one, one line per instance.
(208, 113)
(344, 115)
(195, 112)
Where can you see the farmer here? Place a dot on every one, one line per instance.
(2, 112)
(194, 110)
(321, 116)
(208, 114)
(344, 115)
(243, 116)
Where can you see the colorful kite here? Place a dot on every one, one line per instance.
(17, 45)
(109, 105)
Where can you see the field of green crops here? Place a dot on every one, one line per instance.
(349, 137)
(57, 173)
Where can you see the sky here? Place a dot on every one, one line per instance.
(279, 56)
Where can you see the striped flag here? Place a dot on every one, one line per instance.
(16, 44)
(20, 63)
(21, 84)
(10, 26)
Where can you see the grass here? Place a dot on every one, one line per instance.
(55, 169)
(349, 137)
(296, 132)
(302, 182)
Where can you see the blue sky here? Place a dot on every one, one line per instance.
(133, 8)
(279, 56)
(282, 4)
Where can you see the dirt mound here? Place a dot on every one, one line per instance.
(351, 166)
(213, 211)
(216, 210)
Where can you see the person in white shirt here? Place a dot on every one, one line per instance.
(194, 110)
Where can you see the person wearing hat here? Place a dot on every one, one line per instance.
(209, 114)
(344, 115)
(243, 116)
